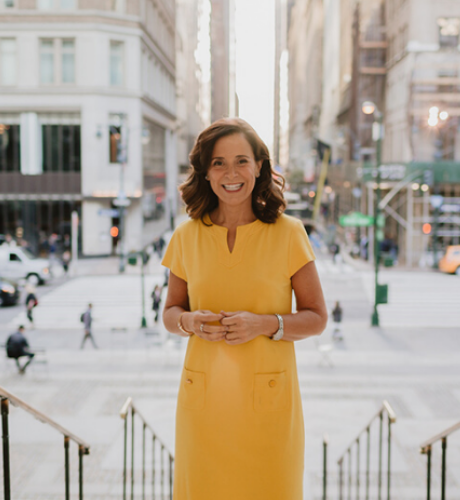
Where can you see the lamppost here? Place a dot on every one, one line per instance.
(369, 108)
(436, 201)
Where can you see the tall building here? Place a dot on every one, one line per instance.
(224, 101)
(87, 116)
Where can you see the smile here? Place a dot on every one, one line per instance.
(232, 187)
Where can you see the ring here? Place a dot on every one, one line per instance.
(201, 327)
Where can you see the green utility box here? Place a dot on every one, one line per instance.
(132, 260)
(382, 294)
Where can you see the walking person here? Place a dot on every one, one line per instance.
(156, 301)
(337, 314)
(18, 347)
(87, 320)
(31, 303)
(233, 267)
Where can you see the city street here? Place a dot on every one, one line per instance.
(413, 366)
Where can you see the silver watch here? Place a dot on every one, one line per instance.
(279, 334)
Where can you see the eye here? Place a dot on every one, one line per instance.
(243, 160)
(217, 163)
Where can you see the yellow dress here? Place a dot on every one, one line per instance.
(239, 421)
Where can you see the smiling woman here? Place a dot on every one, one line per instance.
(234, 266)
(241, 153)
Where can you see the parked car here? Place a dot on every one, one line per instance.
(9, 293)
(18, 263)
(450, 263)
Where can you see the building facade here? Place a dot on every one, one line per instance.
(88, 116)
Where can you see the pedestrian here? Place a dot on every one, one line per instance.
(66, 261)
(156, 301)
(234, 265)
(87, 320)
(18, 347)
(337, 314)
(31, 303)
(335, 250)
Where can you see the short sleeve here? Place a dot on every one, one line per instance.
(173, 257)
(300, 250)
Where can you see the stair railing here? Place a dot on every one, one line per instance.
(160, 452)
(345, 462)
(426, 449)
(83, 448)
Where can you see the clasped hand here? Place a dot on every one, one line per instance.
(234, 327)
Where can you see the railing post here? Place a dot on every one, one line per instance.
(6, 450)
(81, 452)
(368, 462)
(162, 473)
(67, 467)
(170, 477)
(341, 479)
(389, 460)
(132, 452)
(349, 473)
(153, 466)
(357, 467)
(380, 456)
(443, 468)
(428, 473)
(143, 461)
(125, 457)
(325, 440)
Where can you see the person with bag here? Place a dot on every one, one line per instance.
(87, 319)
(233, 267)
(156, 301)
(31, 302)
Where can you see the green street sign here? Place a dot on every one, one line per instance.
(380, 220)
(356, 219)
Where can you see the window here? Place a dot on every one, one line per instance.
(61, 148)
(449, 28)
(9, 148)
(56, 4)
(14, 258)
(68, 61)
(6, 4)
(116, 63)
(57, 61)
(7, 61)
(116, 151)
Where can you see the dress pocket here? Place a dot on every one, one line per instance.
(192, 392)
(270, 392)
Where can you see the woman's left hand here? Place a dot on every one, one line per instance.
(242, 326)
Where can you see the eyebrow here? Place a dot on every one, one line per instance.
(222, 158)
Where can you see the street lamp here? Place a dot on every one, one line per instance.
(370, 108)
(436, 201)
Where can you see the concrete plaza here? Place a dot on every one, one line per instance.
(415, 368)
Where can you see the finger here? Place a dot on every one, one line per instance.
(233, 342)
(228, 321)
(229, 314)
(208, 317)
(212, 329)
(232, 336)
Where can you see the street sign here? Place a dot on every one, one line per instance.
(109, 212)
(356, 219)
(121, 202)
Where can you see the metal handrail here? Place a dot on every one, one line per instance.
(425, 449)
(156, 443)
(356, 443)
(83, 448)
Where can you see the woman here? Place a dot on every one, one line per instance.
(156, 301)
(239, 425)
(31, 302)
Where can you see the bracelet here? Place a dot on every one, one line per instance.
(181, 328)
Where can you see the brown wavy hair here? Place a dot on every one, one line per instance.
(267, 197)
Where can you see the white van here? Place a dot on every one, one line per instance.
(18, 263)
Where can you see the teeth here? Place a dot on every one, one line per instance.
(232, 187)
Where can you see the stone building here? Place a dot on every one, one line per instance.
(87, 116)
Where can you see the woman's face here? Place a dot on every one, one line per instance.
(233, 170)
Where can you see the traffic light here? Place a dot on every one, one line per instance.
(426, 228)
(114, 231)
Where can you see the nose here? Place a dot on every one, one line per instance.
(231, 171)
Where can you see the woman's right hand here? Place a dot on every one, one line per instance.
(197, 322)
